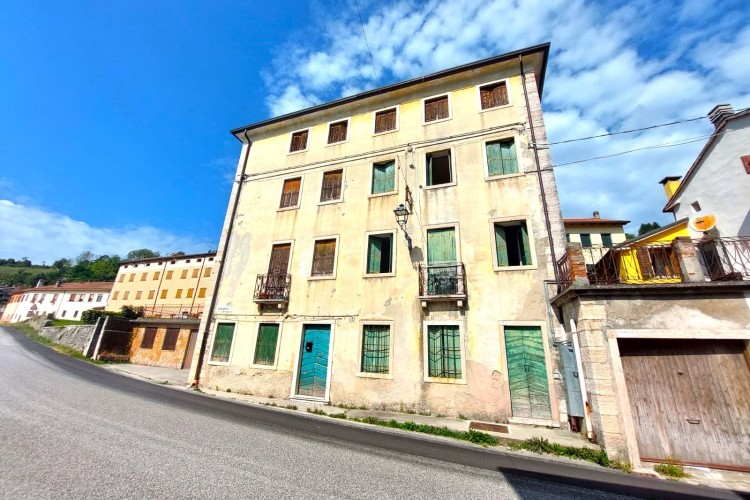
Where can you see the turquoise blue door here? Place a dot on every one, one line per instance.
(313, 365)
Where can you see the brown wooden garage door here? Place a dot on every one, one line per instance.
(690, 400)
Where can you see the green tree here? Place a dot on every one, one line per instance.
(105, 268)
(647, 227)
(62, 264)
(141, 253)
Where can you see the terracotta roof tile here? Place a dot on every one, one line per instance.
(91, 286)
(593, 220)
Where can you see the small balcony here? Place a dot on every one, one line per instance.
(174, 311)
(272, 289)
(442, 283)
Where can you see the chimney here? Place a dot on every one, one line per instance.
(39, 283)
(596, 214)
(671, 184)
(719, 114)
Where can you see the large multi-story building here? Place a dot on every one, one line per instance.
(61, 301)
(391, 249)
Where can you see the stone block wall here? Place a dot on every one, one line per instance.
(76, 337)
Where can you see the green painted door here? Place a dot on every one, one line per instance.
(527, 372)
(441, 261)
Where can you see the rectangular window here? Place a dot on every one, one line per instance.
(196, 272)
(607, 240)
(75, 314)
(184, 274)
(265, 346)
(151, 294)
(384, 177)
(73, 297)
(178, 293)
(512, 244)
(337, 131)
(170, 339)
(99, 297)
(436, 108)
(122, 278)
(163, 294)
(299, 141)
(207, 272)
(156, 275)
(444, 351)
(439, 168)
(143, 276)
(91, 297)
(169, 275)
(124, 296)
(585, 240)
(222, 343)
(324, 257)
(385, 120)
(376, 348)
(190, 293)
(114, 296)
(380, 254)
(501, 158)
(493, 95)
(149, 335)
(290, 193)
(331, 189)
(138, 295)
(201, 293)
(132, 277)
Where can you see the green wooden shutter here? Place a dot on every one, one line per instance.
(265, 346)
(374, 254)
(501, 245)
(222, 342)
(525, 245)
(441, 246)
(383, 177)
(494, 159)
(509, 161)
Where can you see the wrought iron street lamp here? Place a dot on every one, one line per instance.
(402, 216)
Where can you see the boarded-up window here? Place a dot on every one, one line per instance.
(376, 348)
(444, 351)
(323, 258)
(385, 120)
(290, 193)
(331, 189)
(493, 95)
(170, 339)
(379, 252)
(512, 244)
(501, 158)
(299, 141)
(436, 108)
(439, 168)
(222, 343)
(265, 347)
(337, 131)
(384, 177)
(148, 338)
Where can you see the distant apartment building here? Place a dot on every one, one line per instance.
(595, 231)
(172, 291)
(390, 249)
(62, 301)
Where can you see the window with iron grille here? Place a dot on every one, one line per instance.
(444, 351)
(436, 108)
(222, 343)
(376, 348)
(337, 131)
(331, 189)
(512, 246)
(170, 339)
(265, 346)
(501, 158)
(385, 120)
(384, 177)
(290, 193)
(493, 95)
(148, 338)
(299, 141)
(323, 257)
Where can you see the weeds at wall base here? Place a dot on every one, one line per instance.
(541, 445)
(671, 470)
(30, 332)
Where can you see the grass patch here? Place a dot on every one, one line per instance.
(350, 407)
(599, 457)
(62, 349)
(671, 470)
(316, 411)
(476, 437)
(291, 407)
(270, 404)
(341, 415)
(66, 322)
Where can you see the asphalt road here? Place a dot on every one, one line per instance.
(69, 429)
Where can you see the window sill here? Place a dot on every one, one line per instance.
(380, 195)
(218, 363)
(381, 376)
(489, 178)
(509, 105)
(297, 152)
(337, 143)
(287, 209)
(375, 134)
(530, 267)
(263, 367)
(330, 202)
(438, 186)
(436, 121)
(379, 275)
(321, 278)
(444, 380)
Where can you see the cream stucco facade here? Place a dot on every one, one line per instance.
(442, 343)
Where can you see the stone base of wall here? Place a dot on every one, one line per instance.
(76, 337)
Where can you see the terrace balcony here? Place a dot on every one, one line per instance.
(273, 289)
(442, 283)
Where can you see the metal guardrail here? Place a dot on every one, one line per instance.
(443, 280)
(272, 287)
(563, 266)
(724, 259)
(172, 311)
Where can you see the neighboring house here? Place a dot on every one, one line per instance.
(172, 291)
(661, 324)
(62, 301)
(719, 179)
(595, 231)
(321, 296)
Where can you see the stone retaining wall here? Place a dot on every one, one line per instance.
(77, 337)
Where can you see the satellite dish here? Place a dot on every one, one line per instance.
(702, 221)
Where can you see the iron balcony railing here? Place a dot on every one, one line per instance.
(443, 280)
(724, 259)
(563, 266)
(174, 311)
(272, 287)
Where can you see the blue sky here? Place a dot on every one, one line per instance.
(114, 117)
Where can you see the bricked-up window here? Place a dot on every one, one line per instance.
(148, 338)
(331, 189)
(299, 141)
(436, 108)
(493, 95)
(290, 193)
(170, 339)
(323, 257)
(337, 131)
(385, 120)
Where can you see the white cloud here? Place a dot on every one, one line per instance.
(46, 236)
(290, 100)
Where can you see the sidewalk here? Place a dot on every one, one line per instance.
(179, 379)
